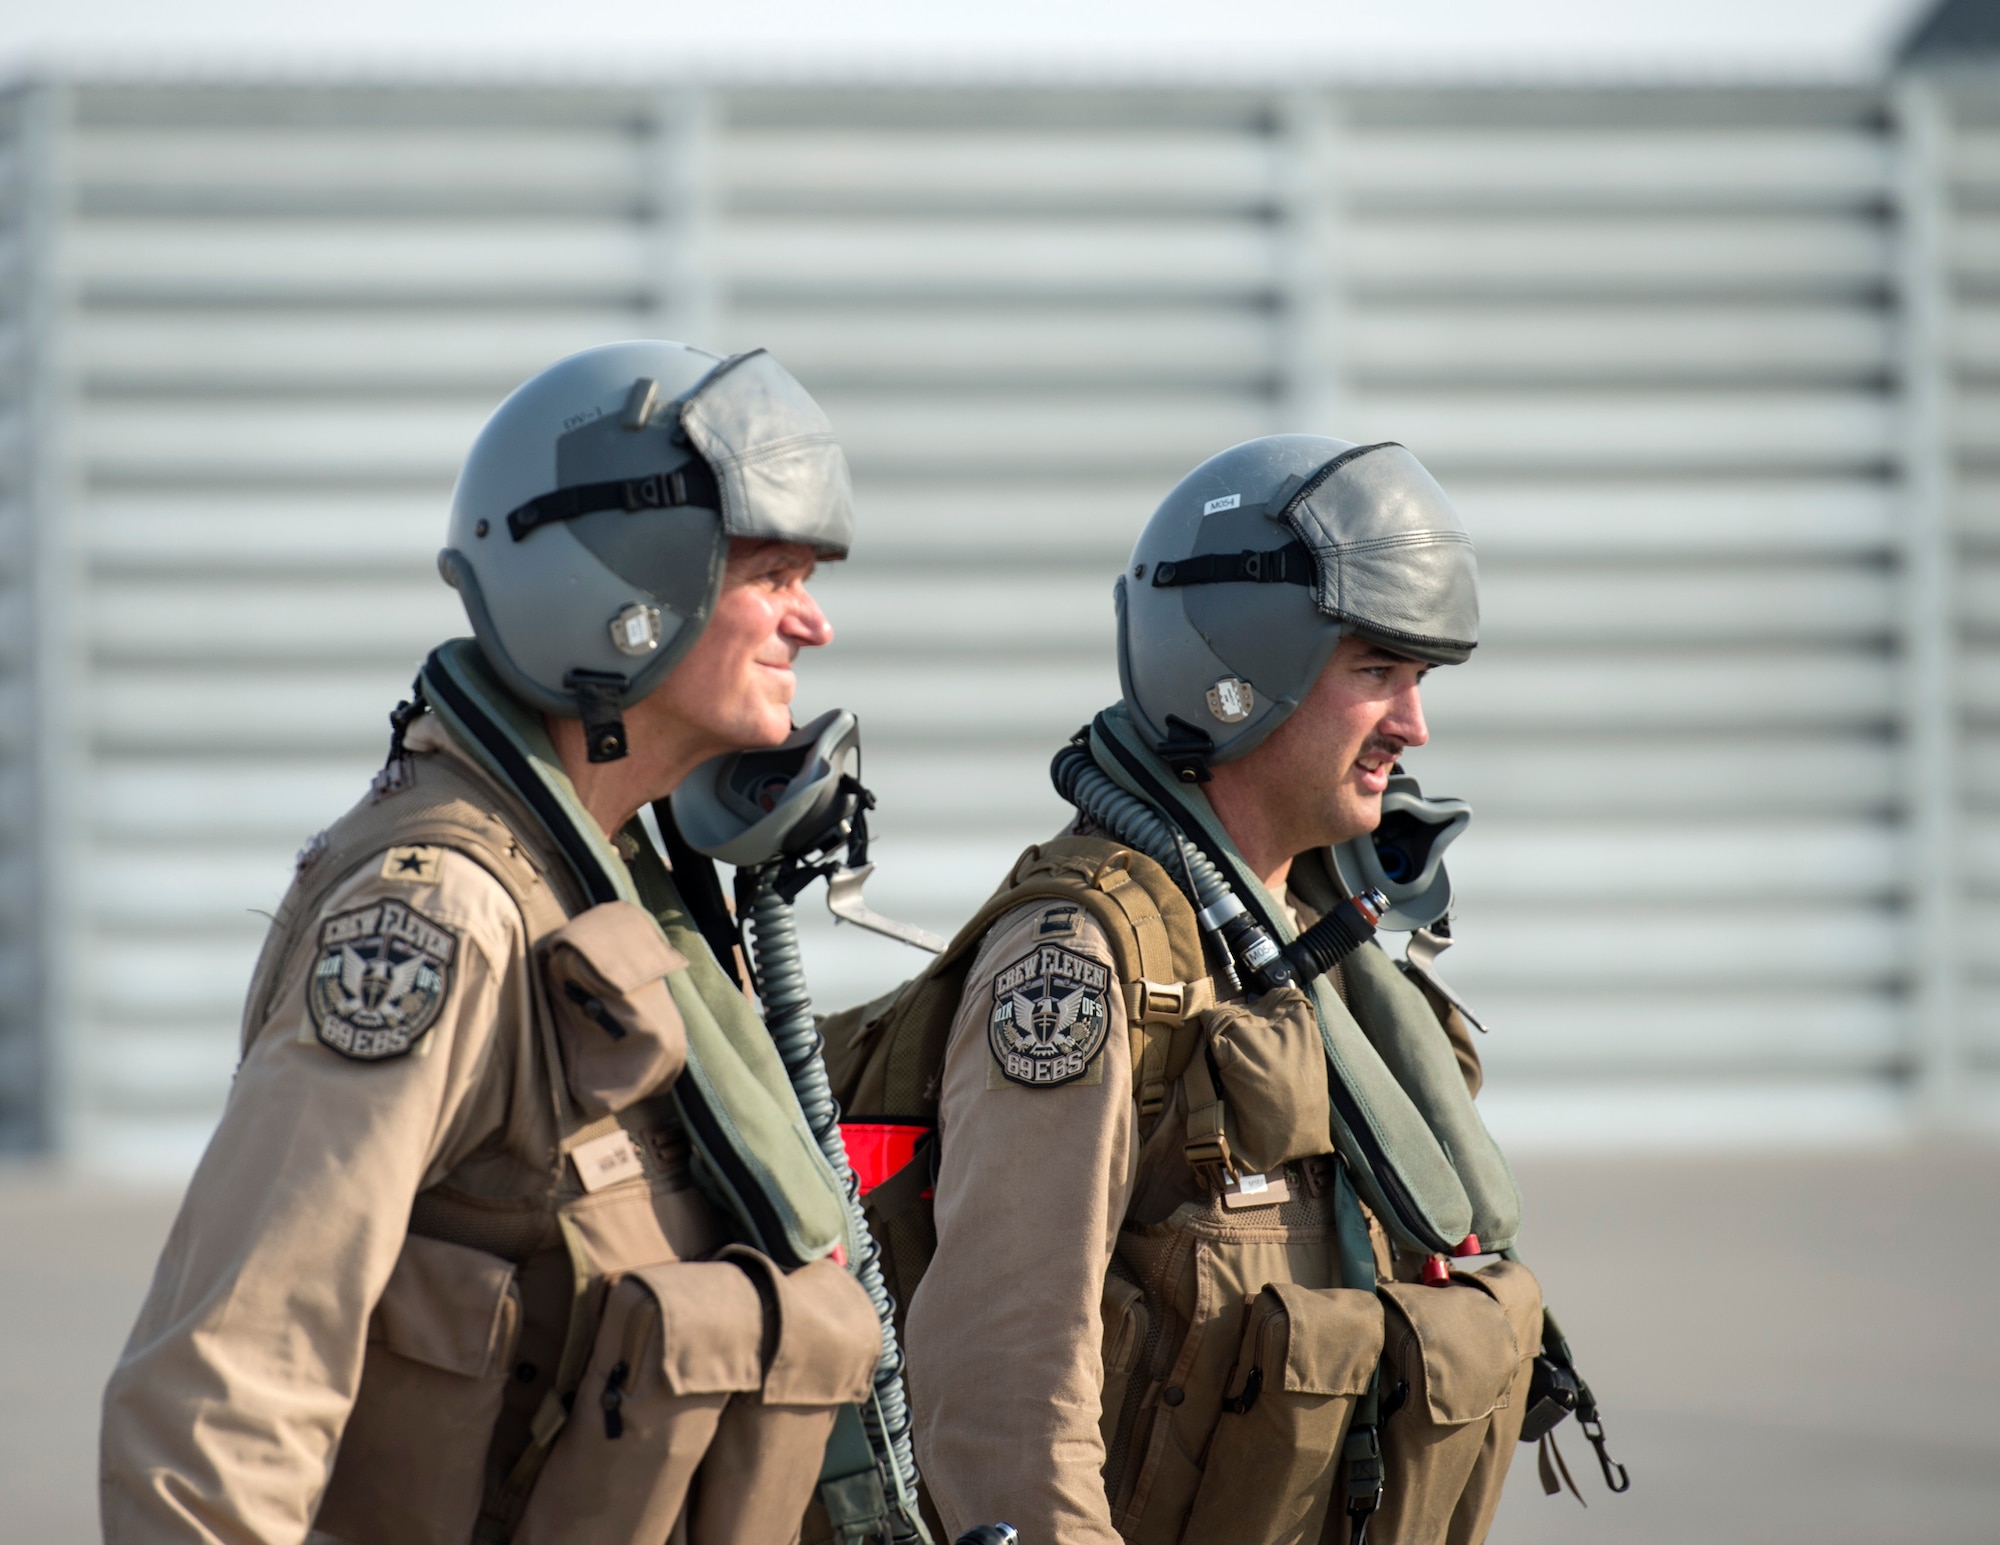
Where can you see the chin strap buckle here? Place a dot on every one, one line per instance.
(1186, 750)
(599, 700)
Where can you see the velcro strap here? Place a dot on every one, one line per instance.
(692, 484)
(1288, 565)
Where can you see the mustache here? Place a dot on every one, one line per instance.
(1388, 746)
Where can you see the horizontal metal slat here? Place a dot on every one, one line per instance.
(1712, 605)
(242, 259)
(1602, 693)
(214, 885)
(286, 163)
(1095, 256)
(1612, 165)
(136, 980)
(968, 345)
(1579, 775)
(298, 350)
(264, 620)
(329, 713)
(216, 799)
(1548, 1032)
(1687, 432)
(175, 437)
(1560, 864)
(153, 530)
(1456, 345)
(1630, 949)
(950, 166)
(1796, 256)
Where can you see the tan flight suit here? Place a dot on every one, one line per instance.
(1082, 1346)
(365, 1305)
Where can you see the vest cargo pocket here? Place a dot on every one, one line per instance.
(1273, 1463)
(412, 1458)
(621, 1035)
(1125, 1325)
(711, 1390)
(1273, 1068)
(1453, 1355)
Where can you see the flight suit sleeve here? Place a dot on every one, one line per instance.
(1037, 1154)
(375, 1070)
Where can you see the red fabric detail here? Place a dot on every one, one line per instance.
(877, 1150)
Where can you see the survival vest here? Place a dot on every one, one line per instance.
(712, 1159)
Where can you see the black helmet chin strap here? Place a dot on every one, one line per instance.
(599, 695)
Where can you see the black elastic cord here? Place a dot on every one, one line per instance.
(692, 484)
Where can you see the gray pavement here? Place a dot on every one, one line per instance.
(1787, 1349)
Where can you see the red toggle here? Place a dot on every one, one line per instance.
(1468, 1245)
(1437, 1272)
(877, 1150)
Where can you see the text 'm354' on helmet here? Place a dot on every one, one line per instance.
(1257, 564)
(592, 519)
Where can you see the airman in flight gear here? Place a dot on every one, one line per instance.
(513, 1228)
(1219, 1251)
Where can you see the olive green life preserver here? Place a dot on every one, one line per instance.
(1402, 1117)
(754, 1154)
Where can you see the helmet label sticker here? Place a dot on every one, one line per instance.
(1049, 1020)
(1226, 502)
(383, 973)
(1232, 700)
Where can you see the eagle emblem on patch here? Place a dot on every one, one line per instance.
(382, 976)
(1049, 1019)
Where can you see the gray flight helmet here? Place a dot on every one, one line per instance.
(592, 518)
(1257, 564)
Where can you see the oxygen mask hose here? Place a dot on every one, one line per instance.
(1249, 953)
(781, 983)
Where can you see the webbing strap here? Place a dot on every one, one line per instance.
(1361, 1453)
(1207, 1147)
(1155, 1003)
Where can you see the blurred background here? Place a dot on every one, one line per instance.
(1694, 310)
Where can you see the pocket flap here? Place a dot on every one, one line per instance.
(1124, 1312)
(711, 1326)
(1335, 1340)
(1519, 1296)
(448, 1306)
(829, 1339)
(620, 944)
(622, 1035)
(1465, 1344)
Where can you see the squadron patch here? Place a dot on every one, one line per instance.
(1049, 1020)
(382, 976)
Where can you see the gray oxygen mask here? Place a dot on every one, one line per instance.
(798, 808)
(1404, 856)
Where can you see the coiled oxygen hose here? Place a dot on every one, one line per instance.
(1239, 940)
(781, 982)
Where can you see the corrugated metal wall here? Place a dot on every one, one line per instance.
(1652, 341)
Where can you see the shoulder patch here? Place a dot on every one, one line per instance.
(418, 866)
(1049, 1019)
(383, 973)
(1058, 922)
